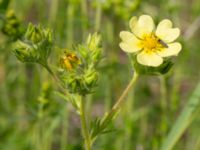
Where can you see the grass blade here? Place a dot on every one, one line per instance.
(183, 121)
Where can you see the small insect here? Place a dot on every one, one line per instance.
(163, 43)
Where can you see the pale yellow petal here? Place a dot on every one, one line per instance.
(143, 26)
(165, 31)
(172, 50)
(132, 23)
(129, 42)
(149, 59)
(127, 36)
(128, 47)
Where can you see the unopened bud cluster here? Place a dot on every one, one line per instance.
(11, 25)
(35, 46)
(79, 66)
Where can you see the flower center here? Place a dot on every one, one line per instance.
(151, 43)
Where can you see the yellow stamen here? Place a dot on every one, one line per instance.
(150, 43)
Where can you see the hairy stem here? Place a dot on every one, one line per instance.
(85, 131)
(116, 107)
(163, 93)
(70, 23)
(163, 106)
(55, 78)
(84, 12)
(53, 12)
(98, 16)
(121, 99)
(64, 138)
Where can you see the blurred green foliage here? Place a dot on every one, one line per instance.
(33, 117)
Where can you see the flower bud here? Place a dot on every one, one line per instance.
(25, 52)
(33, 34)
(81, 76)
(91, 78)
(37, 34)
(83, 51)
(96, 55)
(36, 45)
(70, 61)
(93, 41)
(81, 83)
(11, 25)
(74, 84)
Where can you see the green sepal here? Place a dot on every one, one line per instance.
(148, 70)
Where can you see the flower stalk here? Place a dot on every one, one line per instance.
(116, 107)
(128, 88)
(119, 102)
(84, 126)
(163, 106)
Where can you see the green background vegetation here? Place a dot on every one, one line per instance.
(33, 117)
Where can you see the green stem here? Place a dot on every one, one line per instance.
(163, 93)
(53, 12)
(109, 117)
(84, 17)
(163, 105)
(98, 16)
(40, 142)
(174, 97)
(128, 88)
(70, 23)
(64, 129)
(85, 131)
(127, 116)
(55, 77)
(51, 72)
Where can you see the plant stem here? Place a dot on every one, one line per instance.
(55, 77)
(98, 16)
(64, 128)
(84, 12)
(163, 93)
(53, 12)
(70, 24)
(51, 72)
(128, 88)
(85, 131)
(163, 107)
(118, 104)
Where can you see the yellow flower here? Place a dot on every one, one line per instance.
(70, 61)
(149, 44)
